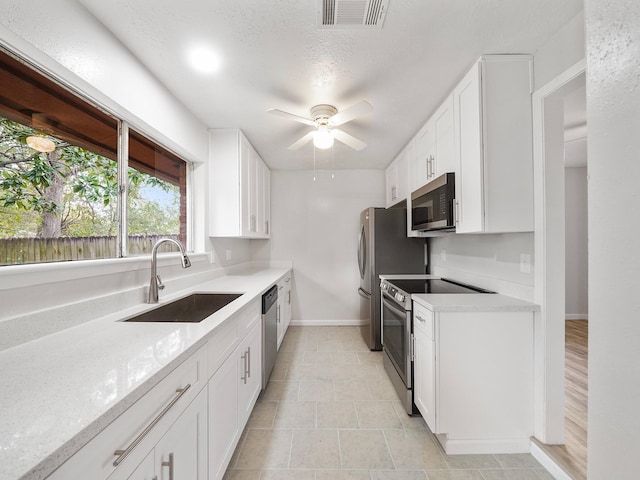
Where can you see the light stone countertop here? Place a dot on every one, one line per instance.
(464, 302)
(472, 302)
(61, 390)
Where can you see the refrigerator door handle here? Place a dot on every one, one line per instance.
(362, 252)
(364, 294)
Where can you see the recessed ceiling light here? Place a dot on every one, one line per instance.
(204, 59)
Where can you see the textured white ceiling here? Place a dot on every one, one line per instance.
(274, 56)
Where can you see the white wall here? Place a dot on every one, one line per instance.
(315, 224)
(560, 51)
(576, 260)
(613, 116)
(487, 261)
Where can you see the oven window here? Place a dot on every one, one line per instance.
(394, 325)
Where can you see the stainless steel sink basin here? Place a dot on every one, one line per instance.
(192, 309)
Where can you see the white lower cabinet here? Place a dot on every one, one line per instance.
(233, 391)
(283, 308)
(424, 386)
(170, 419)
(145, 471)
(473, 379)
(180, 453)
(188, 426)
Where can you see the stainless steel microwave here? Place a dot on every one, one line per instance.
(433, 205)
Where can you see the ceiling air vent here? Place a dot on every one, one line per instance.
(352, 13)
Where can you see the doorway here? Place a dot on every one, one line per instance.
(554, 124)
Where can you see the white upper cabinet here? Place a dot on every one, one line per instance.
(397, 176)
(434, 147)
(493, 146)
(239, 187)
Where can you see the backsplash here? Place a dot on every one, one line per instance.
(488, 261)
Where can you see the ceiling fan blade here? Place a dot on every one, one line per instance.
(355, 110)
(291, 116)
(304, 140)
(347, 139)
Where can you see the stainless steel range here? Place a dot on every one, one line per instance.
(397, 327)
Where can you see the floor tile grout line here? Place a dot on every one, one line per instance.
(386, 442)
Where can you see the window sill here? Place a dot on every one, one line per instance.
(20, 276)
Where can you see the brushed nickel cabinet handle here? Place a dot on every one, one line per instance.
(249, 362)
(122, 454)
(170, 465)
(244, 369)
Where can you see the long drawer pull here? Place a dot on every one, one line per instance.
(122, 454)
(420, 318)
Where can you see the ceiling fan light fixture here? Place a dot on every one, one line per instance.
(323, 138)
(40, 144)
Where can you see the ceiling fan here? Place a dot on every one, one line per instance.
(325, 118)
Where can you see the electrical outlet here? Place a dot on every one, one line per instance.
(212, 257)
(525, 263)
(228, 254)
(443, 255)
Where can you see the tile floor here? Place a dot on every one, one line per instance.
(330, 413)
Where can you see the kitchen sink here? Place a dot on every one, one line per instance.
(191, 309)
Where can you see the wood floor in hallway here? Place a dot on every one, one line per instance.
(573, 454)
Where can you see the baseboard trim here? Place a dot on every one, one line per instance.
(326, 323)
(576, 316)
(483, 446)
(547, 462)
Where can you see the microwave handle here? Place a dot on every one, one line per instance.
(455, 211)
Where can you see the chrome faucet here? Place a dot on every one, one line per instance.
(156, 283)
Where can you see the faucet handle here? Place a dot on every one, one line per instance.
(159, 283)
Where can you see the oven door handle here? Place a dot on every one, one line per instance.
(393, 307)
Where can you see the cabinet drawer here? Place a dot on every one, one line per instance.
(158, 409)
(423, 320)
(225, 338)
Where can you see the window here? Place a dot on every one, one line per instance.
(59, 182)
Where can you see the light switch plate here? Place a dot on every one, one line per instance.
(525, 263)
(443, 255)
(228, 254)
(212, 257)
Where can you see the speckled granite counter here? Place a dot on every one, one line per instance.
(61, 390)
(472, 302)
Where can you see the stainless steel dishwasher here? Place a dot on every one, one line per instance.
(269, 333)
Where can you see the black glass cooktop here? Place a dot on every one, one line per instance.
(434, 286)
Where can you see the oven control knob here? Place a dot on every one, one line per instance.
(400, 297)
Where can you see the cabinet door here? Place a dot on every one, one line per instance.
(391, 184)
(182, 451)
(145, 471)
(280, 308)
(444, 153)
(425, 152)
(469, 153)
(266, 201)
(403, 170)
(425, 378)
(287, 304)
(254, 188)
(245, 186)
(224, 426)
(250, 384)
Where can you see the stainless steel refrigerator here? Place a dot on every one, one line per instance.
(383, 248)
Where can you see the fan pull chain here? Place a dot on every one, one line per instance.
(314, 163)
(332, 154)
